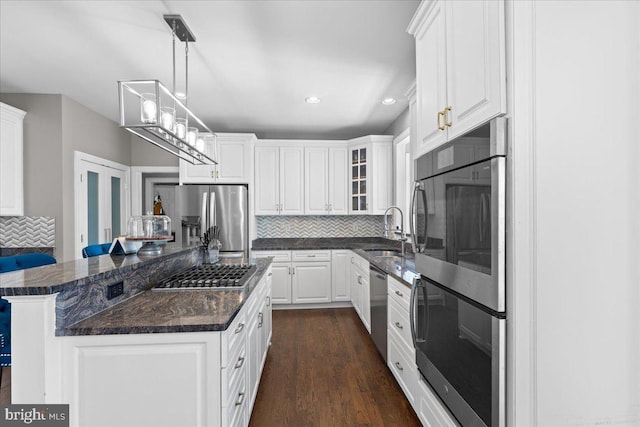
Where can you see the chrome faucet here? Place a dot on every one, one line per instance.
(386, 227)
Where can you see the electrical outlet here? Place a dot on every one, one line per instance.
(115, 290)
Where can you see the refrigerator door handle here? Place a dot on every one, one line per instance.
(203, 217)
(212, 212)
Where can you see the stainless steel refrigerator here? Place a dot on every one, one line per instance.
(201, 207)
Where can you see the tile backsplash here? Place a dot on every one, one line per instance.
(320, 226)
(27, 232)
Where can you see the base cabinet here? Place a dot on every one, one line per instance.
(169, 379)
(359, 288)
(402, 360)
(340, 289)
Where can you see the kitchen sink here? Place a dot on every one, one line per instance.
(384, 252)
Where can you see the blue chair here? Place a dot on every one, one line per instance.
(13, 263)
(96, 250)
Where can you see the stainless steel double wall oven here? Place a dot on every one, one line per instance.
(458, 302)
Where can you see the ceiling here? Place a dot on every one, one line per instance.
(250, 69)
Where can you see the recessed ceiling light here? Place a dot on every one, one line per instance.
(312, 100)
(389, 101)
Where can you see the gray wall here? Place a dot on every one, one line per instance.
(144, 153)
(42, 145)
(54, 127)
(400, 124)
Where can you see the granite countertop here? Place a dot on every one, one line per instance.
(53, 278)
(402, 269)
(172, 311)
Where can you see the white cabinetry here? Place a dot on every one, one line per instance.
(11, 165)
(279, 178)
(325, 181)
(233, 153)
(401, 359)
(460, 67)
(281, 278)
(340, 289)
(359, 288)
(370, 175)
(311, 277)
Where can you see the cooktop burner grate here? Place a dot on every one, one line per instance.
(208, 276)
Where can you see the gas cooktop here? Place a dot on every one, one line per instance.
(208, 276)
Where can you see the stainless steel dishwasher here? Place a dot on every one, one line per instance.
(378, 299)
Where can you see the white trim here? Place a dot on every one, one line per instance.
(522, 387)
(78, 157)
(136, 183)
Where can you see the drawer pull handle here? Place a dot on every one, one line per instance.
(268, 300)
(239, 328)
(311, 255)
(240, 362)
(270, 274)
(399, 294)
(261, 317)
(240, 398)
(399, 366)
(398, 325)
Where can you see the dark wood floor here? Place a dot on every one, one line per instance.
(324, 370)
(5, 388)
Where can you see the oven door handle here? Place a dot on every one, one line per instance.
(412, 313)
(413, 216)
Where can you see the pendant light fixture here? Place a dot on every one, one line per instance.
(154, 113)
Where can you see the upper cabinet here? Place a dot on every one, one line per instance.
(460, 68)
(370, 179)
(233, 153)
(279, 178)
(11, 167)
(325, 181)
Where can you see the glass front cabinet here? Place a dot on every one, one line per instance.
(371, 180)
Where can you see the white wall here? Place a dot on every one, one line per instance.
(575, 231)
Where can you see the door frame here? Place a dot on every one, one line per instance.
(137, 182)
(78, 157)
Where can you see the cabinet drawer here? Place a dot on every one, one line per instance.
(403, 369)
(399, 324)
(233, 338)
(399, 292)
(234, 372)
(278, 256)
(308, 256)
(360, 263)
(234, 407)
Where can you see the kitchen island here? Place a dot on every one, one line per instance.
(146, 357)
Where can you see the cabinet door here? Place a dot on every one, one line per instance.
(340, 286)
(475, 63)
(266, 328)
(359, 179)
(11, 165)
(316, 174)
(431, 79)
(253, 356)
(281, 283)
(311, 282)
(291, 180)
(198, 174)
(234, 159)
(380, 178)
(267, 182)
(338, 181)
(355, 287)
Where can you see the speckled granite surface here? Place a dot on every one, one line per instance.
(402, 269)
(172, 311)
(54, 278)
